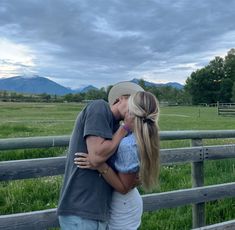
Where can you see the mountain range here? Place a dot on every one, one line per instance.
(39, 85)
(172, 84)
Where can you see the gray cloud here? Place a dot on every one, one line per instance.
(100, 42)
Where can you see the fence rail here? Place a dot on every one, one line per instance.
(226, 109)
(33, 168)
(152, 202)
(227, 225)
(196, 155)
(60, 141)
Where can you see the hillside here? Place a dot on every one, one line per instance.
(34, 85)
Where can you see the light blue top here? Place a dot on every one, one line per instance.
(127, 157)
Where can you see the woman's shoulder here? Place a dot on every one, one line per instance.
(127, 159)
(129, 140)
(128, 146)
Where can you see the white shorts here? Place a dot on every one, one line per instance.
(125, 211)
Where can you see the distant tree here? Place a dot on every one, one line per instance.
(154, 90)
(142, 83)
(46, 97)
(5, 94)
(68, 97)
(18, 97)
(13, 96)
(108, 89)
(79, 97)
(216, 67)
(233, 93)
(169, 94)
(229, 65)
(226, 90)
(210, 84)
(184, 98)
(104, 93)
(202, 87)
(96, 94)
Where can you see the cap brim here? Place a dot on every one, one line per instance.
(123, 88)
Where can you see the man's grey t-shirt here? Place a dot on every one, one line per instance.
(84, 192)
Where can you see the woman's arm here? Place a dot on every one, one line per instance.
(121, 182)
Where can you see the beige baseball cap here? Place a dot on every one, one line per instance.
(123, 88)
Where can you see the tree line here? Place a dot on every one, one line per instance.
(214, 82)
(165, 94)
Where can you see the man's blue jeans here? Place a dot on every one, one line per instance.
(79, 223)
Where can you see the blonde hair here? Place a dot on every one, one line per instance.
(145, 108)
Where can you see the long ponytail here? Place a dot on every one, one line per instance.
(144, 107)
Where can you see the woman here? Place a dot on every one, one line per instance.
(137, 154)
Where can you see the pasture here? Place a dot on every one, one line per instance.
(26, 119)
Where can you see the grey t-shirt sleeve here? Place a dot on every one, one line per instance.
(98, 121)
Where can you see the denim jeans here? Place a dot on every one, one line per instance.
(78, 223)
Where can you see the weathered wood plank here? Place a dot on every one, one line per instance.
(180, 135)
(181, 155)
(228, 225)
(152, 202)
(227, 111)
(34, 142)
(219, 152)
(32, 168)
(36, 220)
(53, 141)
(177, 198)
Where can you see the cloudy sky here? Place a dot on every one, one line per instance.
(101, 42)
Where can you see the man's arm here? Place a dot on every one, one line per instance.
(121, 182)
(100, 149)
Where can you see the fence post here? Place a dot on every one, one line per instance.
(197, 170)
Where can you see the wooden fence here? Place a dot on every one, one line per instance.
(226, 109)
(196, 155)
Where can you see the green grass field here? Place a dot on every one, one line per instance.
(28, 119)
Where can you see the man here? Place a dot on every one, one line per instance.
(85, 195)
